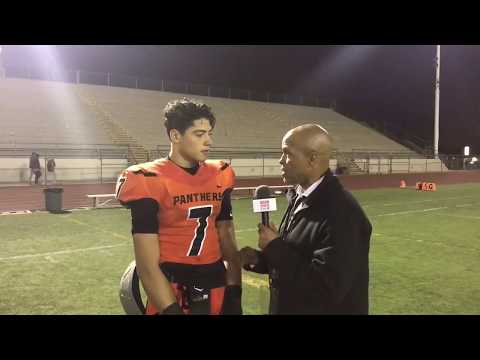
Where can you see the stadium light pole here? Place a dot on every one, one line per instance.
(437, 103)
(2, 71)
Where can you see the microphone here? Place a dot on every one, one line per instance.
(264, 202)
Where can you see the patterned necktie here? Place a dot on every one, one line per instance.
(297, 203)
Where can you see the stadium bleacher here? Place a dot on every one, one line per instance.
(240, 121)
(44, 112)
(48, 113)
(34, 111)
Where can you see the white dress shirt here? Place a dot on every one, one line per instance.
(304, 193)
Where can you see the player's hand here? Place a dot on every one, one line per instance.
(232, 300)
(248, 257)
(266, 234)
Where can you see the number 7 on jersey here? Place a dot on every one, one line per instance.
(201, 213)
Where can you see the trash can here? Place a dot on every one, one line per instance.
(53, 199)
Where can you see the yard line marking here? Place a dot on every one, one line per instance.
(127, 237)
(47, 254)
(467, 205)
(411, 211)
(437, 243)
(246, 230)
(429, 200)
(52, 260)
(416, 202)
(120, 236)
(461, 216)
(254, 282)
(399, 237)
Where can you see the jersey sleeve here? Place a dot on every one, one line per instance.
(226, 212)
(132, 185)
(144, 216)
(227, 175)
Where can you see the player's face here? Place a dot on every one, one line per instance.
(293, 163)
(195, 143)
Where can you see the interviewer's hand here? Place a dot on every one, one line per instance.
(266, 234)
(248, 257)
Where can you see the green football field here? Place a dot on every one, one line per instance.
(424, 257)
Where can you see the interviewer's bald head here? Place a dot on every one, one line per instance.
(311, 138)
(309, 147)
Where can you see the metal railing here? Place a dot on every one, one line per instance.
(391, 165)
(275, 153)
(358, 161)
(63, 150)
(247, 162)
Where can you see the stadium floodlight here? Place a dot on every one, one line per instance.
(48, 64)
(466, 151)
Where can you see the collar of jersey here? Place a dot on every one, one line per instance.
(184, 170)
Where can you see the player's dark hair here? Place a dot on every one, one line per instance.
(180, 114)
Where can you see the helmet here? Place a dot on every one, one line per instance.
(130, 296)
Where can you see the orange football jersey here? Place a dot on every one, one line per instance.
(188, 206)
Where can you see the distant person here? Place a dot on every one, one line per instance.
(338, 170)
(51, 169)
(35, 168)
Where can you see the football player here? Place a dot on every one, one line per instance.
(183, 234)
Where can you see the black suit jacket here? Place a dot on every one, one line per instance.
(320, 264)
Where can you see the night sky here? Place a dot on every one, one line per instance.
(388, 85)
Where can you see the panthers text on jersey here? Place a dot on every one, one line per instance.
(188, 206)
